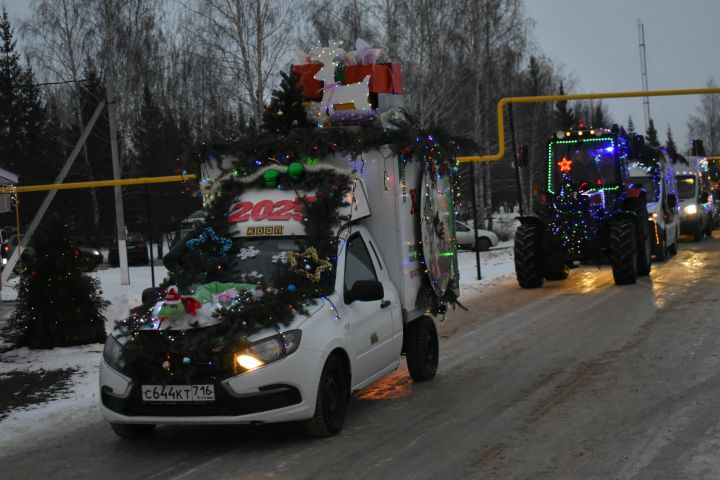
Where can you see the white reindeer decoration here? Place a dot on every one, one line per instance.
(355, 94)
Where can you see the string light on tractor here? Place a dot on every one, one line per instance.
(565, 165)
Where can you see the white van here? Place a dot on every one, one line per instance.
(349, 338)
(658, 180)
(696, 205)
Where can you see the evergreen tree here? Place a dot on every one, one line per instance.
(158, 146)
(598, 117)
(286, 110)
(631, 125)
(670, 144)
(564, 115)
(58, 305)
(651, 135)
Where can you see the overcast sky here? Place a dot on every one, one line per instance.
(596, 42)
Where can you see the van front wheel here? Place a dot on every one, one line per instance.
(422, 349)
(332, 398)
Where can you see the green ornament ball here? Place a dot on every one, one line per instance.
(311, 161)
(296, 170)
(271, 177)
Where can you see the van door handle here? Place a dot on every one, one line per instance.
(385, 303)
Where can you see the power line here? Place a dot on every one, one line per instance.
(63, 82)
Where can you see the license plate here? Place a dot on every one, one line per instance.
(178, 393)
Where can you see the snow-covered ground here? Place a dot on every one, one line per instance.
(79, 403)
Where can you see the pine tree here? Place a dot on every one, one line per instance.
(286, 110)
(651, 135)
(564, 115)
(670, 145)
(631, 125)
(58, 305)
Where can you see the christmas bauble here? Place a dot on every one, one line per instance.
(296, 170)
(271, 177)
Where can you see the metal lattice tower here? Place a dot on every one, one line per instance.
(643, 72)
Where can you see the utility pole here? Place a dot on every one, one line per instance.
(643, 72)
(119, 212)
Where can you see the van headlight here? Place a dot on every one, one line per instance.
(268, 350)
(113, 353)
(690, 209)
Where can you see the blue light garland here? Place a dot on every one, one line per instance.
(207, 236)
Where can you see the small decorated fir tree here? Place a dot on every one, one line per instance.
(286, 109)
(58, 305)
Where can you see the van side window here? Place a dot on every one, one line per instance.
(358, 264)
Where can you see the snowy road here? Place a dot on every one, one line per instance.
(578, 380)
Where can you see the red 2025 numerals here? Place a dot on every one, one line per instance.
(267, 210)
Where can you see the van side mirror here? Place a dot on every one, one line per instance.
(365, 291)
(672, 200)
(704, 197)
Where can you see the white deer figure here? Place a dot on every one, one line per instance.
(334, 93)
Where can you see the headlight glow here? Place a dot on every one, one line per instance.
(248, 362)
(690, 209)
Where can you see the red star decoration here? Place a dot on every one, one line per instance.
(565, 165)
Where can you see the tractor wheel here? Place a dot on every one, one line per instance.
(556, 266)
(528, 256)
(644, 243)
(623, 251)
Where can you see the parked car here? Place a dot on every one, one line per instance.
(90, 257)
(466, 238)
(137, 251)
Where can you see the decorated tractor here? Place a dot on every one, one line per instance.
(591, 211)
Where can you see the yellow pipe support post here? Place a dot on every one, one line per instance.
(558, 98)
(98, 183)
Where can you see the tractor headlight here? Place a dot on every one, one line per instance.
(268, 350)
(690, 209)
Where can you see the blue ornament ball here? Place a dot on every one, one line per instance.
(291, 288)
(186, 360)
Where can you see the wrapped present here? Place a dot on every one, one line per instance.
(312, 89)
(384, 77)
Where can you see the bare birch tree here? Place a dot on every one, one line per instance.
(705, 124)
(253, 38)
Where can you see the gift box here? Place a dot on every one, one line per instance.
(384, 77)
(312, 89)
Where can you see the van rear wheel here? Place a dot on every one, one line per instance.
(332, 398)
(422, 349)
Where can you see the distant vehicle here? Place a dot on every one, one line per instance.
(696, 204)
(190, 223)
(466, 238)
(137, 251)
(90, 257)
(4, 245)
(658, 181)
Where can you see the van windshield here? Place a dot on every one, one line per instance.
(686, 186)
(255, 260)
(652, 190)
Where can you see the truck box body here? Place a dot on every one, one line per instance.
(394, 217)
